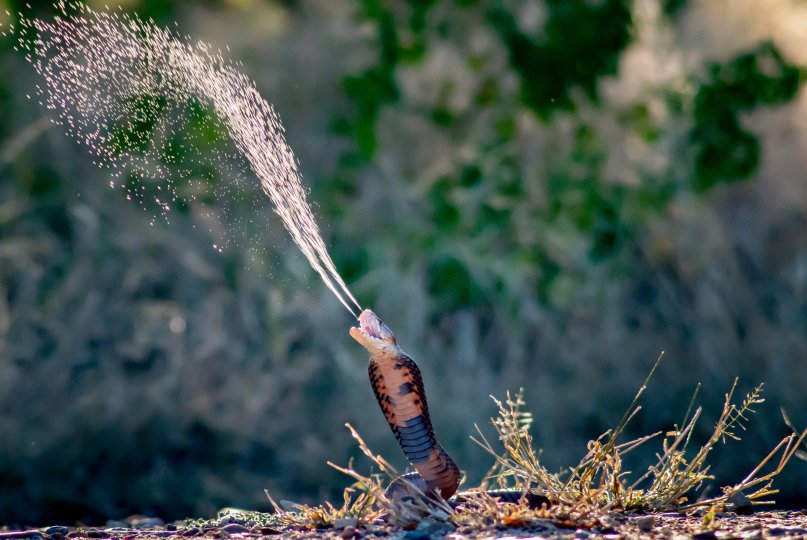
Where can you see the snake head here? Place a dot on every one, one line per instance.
(374, 335)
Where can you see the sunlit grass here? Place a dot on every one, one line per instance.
(584, 494)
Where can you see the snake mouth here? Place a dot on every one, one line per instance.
(372, 333)
(369, 324)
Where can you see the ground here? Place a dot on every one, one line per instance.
(728, 526)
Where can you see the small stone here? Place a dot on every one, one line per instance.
(349, 531)
(194, 531)
(434, 528)
(416, 535)
(144, 522)
(646, 523)
(342, 523)
(705, 535)
(235, 528)
(267, 531)
(31, 534)
(56, 529)
(581, 534)
(740, 504)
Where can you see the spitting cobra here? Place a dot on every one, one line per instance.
(398, 387)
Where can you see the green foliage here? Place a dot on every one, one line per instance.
(375, 86)
(579, 43)
(725, 151)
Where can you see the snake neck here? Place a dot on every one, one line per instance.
(398, 386)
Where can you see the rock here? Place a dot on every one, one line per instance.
(31, 534)
(56, 529)
(416, 535)
(194, 531)
(342, 523)
(349, 532)
(646, 523)
(434, 528)
(235, 528)
(704, 535)
(144, 522)
(740, 504)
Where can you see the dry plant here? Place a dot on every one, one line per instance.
(600, 484)
(404, 503)
(358, 504)
(580, 496)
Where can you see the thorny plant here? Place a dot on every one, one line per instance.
(584, 494)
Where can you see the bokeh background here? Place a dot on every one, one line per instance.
(542, 193)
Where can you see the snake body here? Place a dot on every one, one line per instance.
(398, 387)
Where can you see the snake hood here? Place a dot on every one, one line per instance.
(375, 336)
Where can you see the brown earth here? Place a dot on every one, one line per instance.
(727, 526)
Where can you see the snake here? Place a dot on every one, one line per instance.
(398, 387)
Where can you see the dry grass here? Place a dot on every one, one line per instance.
(586, 493)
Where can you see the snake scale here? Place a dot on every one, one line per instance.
(398, 387)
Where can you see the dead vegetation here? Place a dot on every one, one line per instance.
(586, 494)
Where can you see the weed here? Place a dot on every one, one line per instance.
(582, 495)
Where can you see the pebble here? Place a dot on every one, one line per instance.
(705, 535)
(235, 528)
(342, 523)
(144, 522)
(434, 528)
(416, 535)
(740, 504)
(32, 534)
(349, 531)
(646, 523)
(195, 531)
(56, 529)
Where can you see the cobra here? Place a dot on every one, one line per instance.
(398, 387)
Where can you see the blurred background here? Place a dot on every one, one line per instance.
(542, 193)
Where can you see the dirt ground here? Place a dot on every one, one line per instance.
(728, 526)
